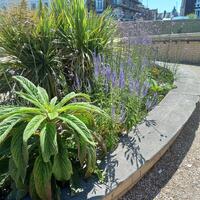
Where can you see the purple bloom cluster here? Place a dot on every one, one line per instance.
(143, 40)
(121, 78)
(109, 76)
(114, 79)
(152, 102)
(97, 64)
(145, 89)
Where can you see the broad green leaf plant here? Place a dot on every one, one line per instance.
(39, 138)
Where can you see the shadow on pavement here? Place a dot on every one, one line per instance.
(151, 184)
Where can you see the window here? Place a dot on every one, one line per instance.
(198, 3)
(198, 13)
(99, 5)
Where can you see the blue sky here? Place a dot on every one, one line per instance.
(163, 4)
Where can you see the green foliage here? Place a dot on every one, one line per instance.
(54, 45)
(29, 40)
(192, 16)
(128, 85)
(50, 139)
(46, 137)
(162, 88)
(80, 35)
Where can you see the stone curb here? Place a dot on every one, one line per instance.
(139, 150)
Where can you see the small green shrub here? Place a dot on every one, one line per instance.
(53, 46)
(28, 38)
(80, 34)
(43, 140)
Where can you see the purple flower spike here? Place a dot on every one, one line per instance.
(103, 71)
(152, 102)
(96, 59)
(114, 79)
(121, 79)
(97, 64)
(129, 62)
(106, 86)
(131, 85)
(96, 71)
(108, 72)
(137, 87)
(145, 89)
(148, 104)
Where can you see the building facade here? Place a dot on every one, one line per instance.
(126, 9)
(4, 4)
(197, 8)
(122, 9)
(187, 7)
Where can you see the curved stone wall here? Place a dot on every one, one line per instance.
(139, 150)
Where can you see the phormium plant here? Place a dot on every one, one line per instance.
(81, 33)
(43, 139)
(28, 37)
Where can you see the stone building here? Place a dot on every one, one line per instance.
(187, 7)
(122, 9)
(197, 8)
(4, 4)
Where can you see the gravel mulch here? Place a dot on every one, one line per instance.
(177, 175)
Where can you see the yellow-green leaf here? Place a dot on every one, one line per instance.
(33, 126)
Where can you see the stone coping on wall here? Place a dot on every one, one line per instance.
(139, 150)
(176, 37)
(187, 37)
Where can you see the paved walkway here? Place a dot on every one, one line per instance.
(177, 175)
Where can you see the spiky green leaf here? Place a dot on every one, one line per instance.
(31, 99)
(53, 101)
(33, 126)
(43, 95)
(79, 127)
(29, 87)
(53, 115)
(7, 125)
(82, 107)
(70, 97)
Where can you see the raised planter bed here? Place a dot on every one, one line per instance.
(139, 150)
